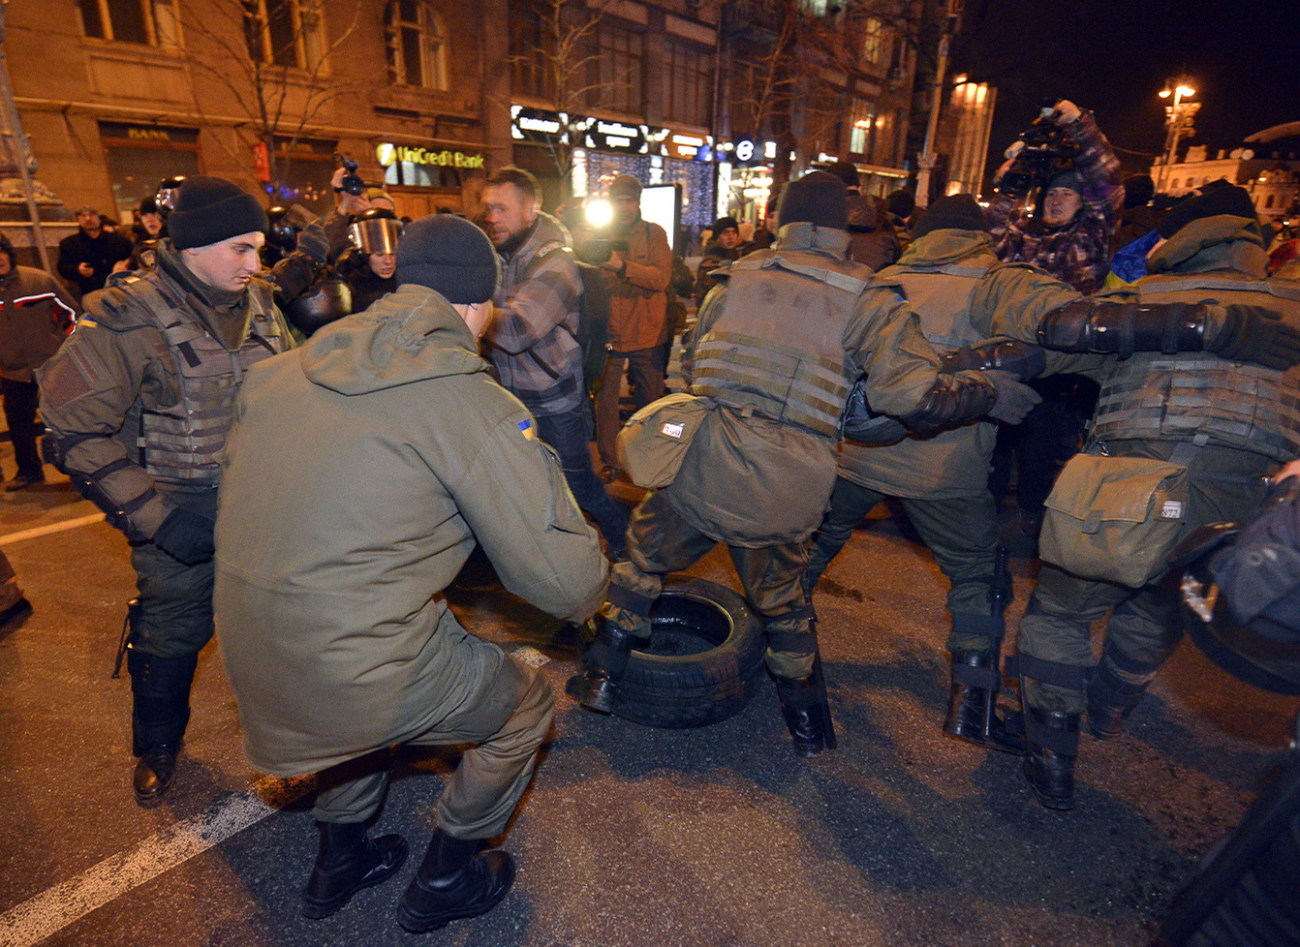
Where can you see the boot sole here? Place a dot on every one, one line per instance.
(315, 910)
(419, 923)
(1055, 803)
(978, 739)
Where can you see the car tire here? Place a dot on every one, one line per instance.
(702, 661)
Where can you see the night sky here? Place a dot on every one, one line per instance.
(1113, 56)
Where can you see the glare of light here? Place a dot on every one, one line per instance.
(1164, 93)
(599, 213)
(1185, 91)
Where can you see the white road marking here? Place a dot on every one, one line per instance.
(35, 531)
(55, 908)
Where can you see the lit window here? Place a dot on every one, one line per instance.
(284, 32)
(1174, 183)
(150, 22)
(417, 45)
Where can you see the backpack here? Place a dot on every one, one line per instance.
(593, 323)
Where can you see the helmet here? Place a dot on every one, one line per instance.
(282, 233)
(375, 231)
(169, 190)
(327, 300)
(1252, 639)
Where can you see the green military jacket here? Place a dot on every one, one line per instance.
(963, 295)
(750, 479)
(361, 471)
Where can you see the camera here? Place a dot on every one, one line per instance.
(351, 183)
(598, 249)
(1047, 152)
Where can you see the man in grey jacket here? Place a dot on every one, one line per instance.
(534, 337)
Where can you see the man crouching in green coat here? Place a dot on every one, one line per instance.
(361, 471)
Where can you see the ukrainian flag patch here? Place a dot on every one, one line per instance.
(527, 428)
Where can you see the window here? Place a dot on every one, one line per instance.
(874, 41)
(689, 83)
(151, 22)
(1268, 204)
(417, 45)
(1174, 183)
(861, 134)
(532, 54)
(284, 32)
(619, 77)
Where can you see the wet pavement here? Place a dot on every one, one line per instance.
(629, 835)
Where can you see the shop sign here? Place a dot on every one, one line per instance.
(616, 136)
(388, 154)
(538, 125)
(149, 134)
(744, 150)
(688, 147)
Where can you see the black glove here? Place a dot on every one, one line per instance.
(1015, 400)
(186, 537)
(1256, 334)
(313, 242)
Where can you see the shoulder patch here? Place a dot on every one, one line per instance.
(527, 428)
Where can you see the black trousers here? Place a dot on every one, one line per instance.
(21, 399)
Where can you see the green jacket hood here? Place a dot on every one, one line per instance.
(947, 246)
(410, 335)
(1223, 242)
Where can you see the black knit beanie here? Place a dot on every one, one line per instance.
(1222, 200)
(816, 198)
(449, 255)
(957, 212)
(210, 210)
(725, 223)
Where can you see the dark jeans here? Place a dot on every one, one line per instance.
(21, 398)
(569, 434)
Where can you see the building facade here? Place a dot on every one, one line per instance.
(1267, 165)
(116, 95)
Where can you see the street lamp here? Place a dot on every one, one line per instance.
(1178, 118)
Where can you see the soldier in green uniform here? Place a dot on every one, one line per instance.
(962, 295)
(776, 350)
(1230, 419)
(137, 403)
(362, 470)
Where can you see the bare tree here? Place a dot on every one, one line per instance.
(554, 53)
(275, 57)
(783, 88)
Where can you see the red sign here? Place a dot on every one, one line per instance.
(261, 162)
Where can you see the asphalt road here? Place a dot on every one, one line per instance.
(629, 835)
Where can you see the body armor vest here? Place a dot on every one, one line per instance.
(941, 297)
(1201, 398)
(777, 344)
(952, 462)
(181, 444)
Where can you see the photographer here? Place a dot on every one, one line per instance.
(1081, 198)
(1065, 156)
(638, 282)
(352, 198)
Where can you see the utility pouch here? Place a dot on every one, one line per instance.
(1114, 519)
(654, 441)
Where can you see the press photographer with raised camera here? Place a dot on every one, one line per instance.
(352, 197)
(1064, 157)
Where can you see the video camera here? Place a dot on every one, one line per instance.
(598, 249)
(1046, 152)
(351, 183)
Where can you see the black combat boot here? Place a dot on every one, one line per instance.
(807, 713)
(972, 704)
(606, 661)
(454, 881)
(1111, 698)
(1052, 739)
(160, 689)
(347, 861)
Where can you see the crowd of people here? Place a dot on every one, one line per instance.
(438, 374)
